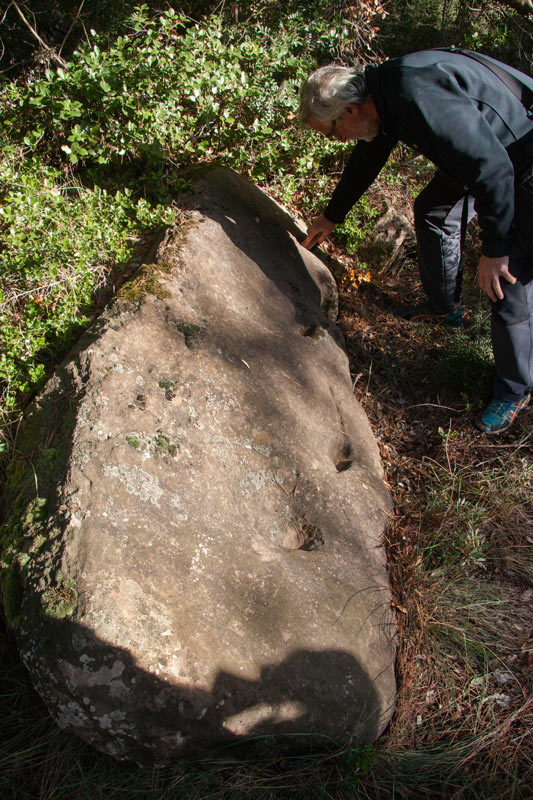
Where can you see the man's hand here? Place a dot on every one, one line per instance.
(490, 270)
(319, 230)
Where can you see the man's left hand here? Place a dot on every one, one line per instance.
(490, 270)
(319, 230)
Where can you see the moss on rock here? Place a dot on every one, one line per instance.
(42, 450)
(164, 446)
(146, 282)
(60, 600)
(190, 331)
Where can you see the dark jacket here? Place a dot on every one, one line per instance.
(463, 118)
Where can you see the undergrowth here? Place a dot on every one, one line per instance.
(58, 248)
(93, 148)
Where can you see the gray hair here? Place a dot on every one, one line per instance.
(328, 90)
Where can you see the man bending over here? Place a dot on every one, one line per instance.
(469, 115)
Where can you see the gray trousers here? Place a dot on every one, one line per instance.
(441, 212)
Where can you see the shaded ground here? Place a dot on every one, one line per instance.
(459, 543)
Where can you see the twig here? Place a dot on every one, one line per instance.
(70, 279)
(434, 405)
(30, 27)
(281, 486)
(78, 12)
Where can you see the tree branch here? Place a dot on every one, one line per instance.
(49, 50)
(71, 26)
(524, 7)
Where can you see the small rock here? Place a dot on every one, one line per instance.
(431, 696)
(503, 700)
(502, 677)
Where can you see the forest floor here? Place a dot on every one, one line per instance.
(459, 543)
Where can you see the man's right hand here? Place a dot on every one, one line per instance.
(319, 230)
(490, 271)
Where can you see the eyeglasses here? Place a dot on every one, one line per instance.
(333, 132)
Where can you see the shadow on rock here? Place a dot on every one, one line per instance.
(132, 714)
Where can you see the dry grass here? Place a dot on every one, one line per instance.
(460, 549)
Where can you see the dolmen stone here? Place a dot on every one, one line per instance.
(193, 548)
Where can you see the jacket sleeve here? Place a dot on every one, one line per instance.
(362, 168)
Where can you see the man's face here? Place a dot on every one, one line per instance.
(355, 122)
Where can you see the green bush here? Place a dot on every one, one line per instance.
(172, 90)
(165, 94)
(59, 242)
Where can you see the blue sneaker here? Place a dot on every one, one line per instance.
(423, 312)
(500, 415)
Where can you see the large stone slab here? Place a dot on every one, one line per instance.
(194, 543)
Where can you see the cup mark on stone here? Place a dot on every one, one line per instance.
(314, 330)
(139, 402)
(302, 535)
(343, 455)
